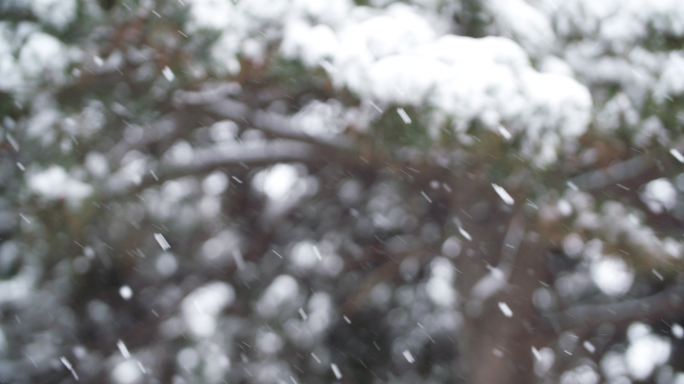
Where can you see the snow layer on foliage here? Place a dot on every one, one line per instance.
(283, 290)
(126, 372)
(660, 194)
(395, 56)
(321, 42)
(619, 224)
(321, 119)
(58, 13)
(56, 183)
(671, 82)
(619, 20)
(42, 56)
(440, 285)
(583, 374)
(10, 75)
(646, 351)
(612, 275)
(278, 181)
(201, 308)
(525, 23)
(133, 167)
(20, 287)
(602, 45)
(210, 14)
(29, 57)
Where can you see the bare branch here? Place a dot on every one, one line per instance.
(667, 303)
(615, 173)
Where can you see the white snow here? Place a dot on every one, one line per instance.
(43, 56)
(283, 291)
(168, 74)
(398, 54)
(126, 372)
(70, 367)
(536, 354)
(440, 285)
(162, 241)
(504, 132)
(671, 82)
(202, 307)
(646, 351)
(269, 343)
(525, 23)
(660, 194)
(122, 348)
(583, 373)
(451, 247)
(209, 14)
(503, 194)
(505, 309)
(304, 255)
(612, 275)
(126, 292)
(336, 371)
(310, 44)
(58, 13)
(547, 358)
(277, 181)
(188, 358)
(56, 183)
(10, 73)
(166, 264)
(404, 116)
(464, 233)
(321, 119)
(96, 163)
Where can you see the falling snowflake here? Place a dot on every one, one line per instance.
(162, 241)
(404, 115)
(503, 194)
(168, 74)
(336, 371)
(505, 309)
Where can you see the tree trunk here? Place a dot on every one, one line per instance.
(496, 348)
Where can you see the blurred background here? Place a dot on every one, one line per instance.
(338, 191)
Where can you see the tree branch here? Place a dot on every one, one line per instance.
(165, 127)
(273, 123)
(204, 160)
(615, 173)
(667, 303)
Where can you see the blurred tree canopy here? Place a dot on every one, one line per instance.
(309, 191)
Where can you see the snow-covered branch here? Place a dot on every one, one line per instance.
(204, 160)
(275, 124)
(163, 128)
